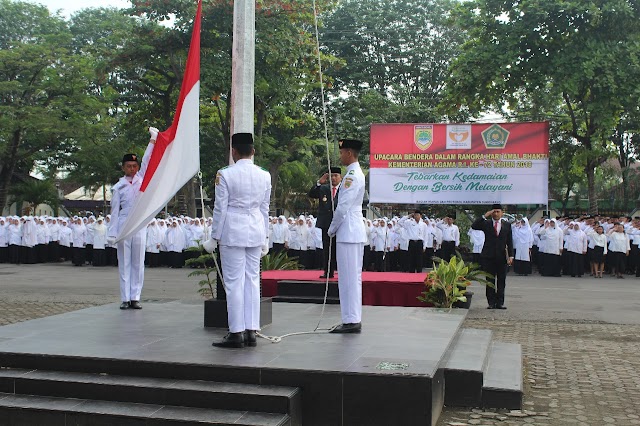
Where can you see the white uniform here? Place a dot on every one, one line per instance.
(241, 224)
(348, 228)
(130, 250)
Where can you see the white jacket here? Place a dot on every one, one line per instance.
(241, 209)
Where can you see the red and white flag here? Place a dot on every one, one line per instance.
(176, 156)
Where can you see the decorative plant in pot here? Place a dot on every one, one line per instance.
(204, 267)
(279, 262)
(446, 285)
(215, 304)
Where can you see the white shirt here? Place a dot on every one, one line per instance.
(347, 224)
(451, 233)
(241, 209)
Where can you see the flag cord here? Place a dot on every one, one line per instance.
(317, 329)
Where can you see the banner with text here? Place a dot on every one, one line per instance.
(459, 163)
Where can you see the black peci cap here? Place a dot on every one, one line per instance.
(336, 170)
(350, 144)
(497, 206)
(242, 139)
(130, 157)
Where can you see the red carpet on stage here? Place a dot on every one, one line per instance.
(378, 288)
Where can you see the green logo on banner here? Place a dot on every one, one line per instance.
(495, 137)
(423, 136)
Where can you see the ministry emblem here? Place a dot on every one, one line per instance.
(423, 136)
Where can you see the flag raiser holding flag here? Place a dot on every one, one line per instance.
(176, 156)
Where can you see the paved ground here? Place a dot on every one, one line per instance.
(580, 336)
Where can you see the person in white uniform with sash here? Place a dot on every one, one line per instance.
(241, 227)
(347, 227)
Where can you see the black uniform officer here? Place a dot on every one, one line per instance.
(325, 189)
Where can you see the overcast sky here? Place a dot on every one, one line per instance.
(71, 6)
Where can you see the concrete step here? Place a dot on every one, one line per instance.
(464, 367)
(307, 288)
(149, 390)
(503, 387)
(306, 299)
(54, 411)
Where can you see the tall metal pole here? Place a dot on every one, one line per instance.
(243, 67)
(243, 70)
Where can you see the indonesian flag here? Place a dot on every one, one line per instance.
(176, 156)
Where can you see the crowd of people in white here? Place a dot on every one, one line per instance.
(587, 245)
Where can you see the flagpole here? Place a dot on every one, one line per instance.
(243, 67)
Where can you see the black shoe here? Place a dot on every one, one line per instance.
(250, 338)
(231, 340)
(501, 307)
(124, 305)
(491, 307)
(355, 327)
(323, 276)
(330, 275)
(135, 304)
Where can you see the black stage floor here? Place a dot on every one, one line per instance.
(391, 373)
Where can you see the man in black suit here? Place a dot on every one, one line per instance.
(325, 193)
(497, 252)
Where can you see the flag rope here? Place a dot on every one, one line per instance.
(317, 329)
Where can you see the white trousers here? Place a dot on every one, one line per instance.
(349, 257)
(241, 272)
(131, 265)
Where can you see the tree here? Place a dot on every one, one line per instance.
(396, 57)
(585, 53)
(36, 192)
(44, 103)
(626, 139)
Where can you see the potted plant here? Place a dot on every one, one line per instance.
(215, 314)
(446, 285)
(279, 262)
(205, 268)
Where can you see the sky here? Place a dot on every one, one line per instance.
(71, 6)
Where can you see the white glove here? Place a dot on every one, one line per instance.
(211, 245)
(265, 250)
(111, 240)
(154, 133)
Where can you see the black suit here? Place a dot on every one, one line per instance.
(323, 220)
(493, 259)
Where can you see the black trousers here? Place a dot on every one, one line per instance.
(277, 248)
(497, 268)
(618, 261)
(99, 257)
(325, 253)
(378, 260)
(428, 257)
(415, 255)
(448, 250)
(634, 260)
(403, 260)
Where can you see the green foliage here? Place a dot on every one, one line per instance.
(205, 268)
(395, 62)
(581, 56)
(47, 105)
(36, 192)
(447, 282)
(279, 262)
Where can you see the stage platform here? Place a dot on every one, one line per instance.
(378, 288)
(157, 366)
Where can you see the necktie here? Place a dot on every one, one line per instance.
(333, 192)
(495, 227)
